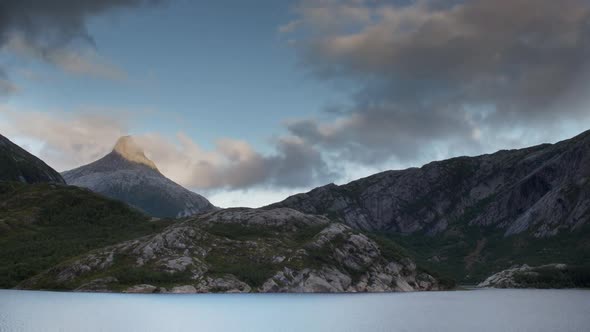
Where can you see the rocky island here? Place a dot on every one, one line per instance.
(243, 250)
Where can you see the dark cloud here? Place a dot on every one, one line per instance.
(447, 72)
(57, 22)
(45, 29)
(297, 164)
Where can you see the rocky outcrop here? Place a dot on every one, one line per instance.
(128, 175)
(527, 277)
(16, 164)
(243, 250)
(542, 190)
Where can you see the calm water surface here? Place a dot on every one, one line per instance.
(481, 310)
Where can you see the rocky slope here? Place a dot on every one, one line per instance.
(243, 250)
(474, 215)
(545, 276)
(543, 189)
(128, 175)
(16, 164)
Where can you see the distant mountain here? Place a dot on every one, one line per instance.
(128, 175)
(244, 250)
(16, 164)
(475, 215)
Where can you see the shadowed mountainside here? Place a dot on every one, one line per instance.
(16, 164)
(471, 216)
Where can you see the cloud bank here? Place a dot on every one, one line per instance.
(69, 141)
(460, 76)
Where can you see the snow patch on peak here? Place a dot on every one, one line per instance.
(127, 148)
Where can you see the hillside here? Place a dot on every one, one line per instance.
(16, 164)
(244, 250)
(471, 216)
(44, 224)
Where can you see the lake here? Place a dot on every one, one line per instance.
(478, 310)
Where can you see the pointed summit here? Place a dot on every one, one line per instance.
(127, 148)
(128, 175)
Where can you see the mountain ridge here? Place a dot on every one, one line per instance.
(16, 164)
(356, 202)
(469, 217)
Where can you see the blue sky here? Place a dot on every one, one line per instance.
(250, 103)
(201, 68)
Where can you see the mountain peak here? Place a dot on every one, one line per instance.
(127, 148)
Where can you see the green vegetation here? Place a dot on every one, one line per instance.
(42, 225)
(551, 277)
(252, 270)
(242, 232)
(316, 257)
(254, 264)
(389, 248)
(454, 253)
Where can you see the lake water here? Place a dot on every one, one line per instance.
(480, 311)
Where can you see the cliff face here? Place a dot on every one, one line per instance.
(243, 250)
(16, 164)
(471, 216)
(542, 190)
(128, 175)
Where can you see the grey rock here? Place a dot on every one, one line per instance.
(542, 190)
(226, 284)
(143, 288)
(221, 252)
(186, 289)
(97, 285)
(508, 278)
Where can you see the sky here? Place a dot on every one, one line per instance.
(249, 102)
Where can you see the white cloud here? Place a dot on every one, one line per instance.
(67, 140)
(253, 198)
(70, 140)
(289, 27)
(439, 78)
